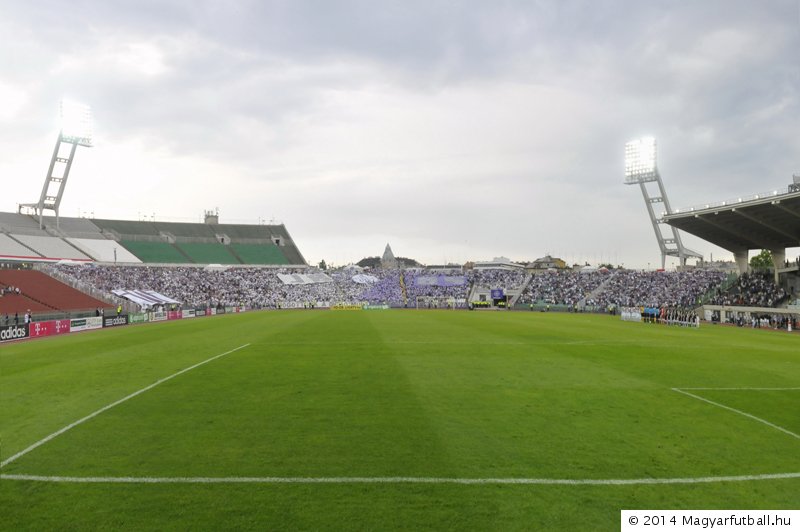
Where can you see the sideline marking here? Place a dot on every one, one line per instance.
(743, 389)
(745, 414)
(394, 480)
(112, 405)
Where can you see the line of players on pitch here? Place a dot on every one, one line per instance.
(662, 315)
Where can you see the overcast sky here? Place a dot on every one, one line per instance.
(452, 130)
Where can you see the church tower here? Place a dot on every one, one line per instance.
(388, 261)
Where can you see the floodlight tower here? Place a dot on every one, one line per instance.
(76, 130)
(641, 169)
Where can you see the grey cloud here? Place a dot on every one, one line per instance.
(251, 84)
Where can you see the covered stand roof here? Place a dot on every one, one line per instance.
(767, 221)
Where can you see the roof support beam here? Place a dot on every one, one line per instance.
(752, 244)
(786, 209)
(764, 224)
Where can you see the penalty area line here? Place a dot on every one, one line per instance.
(398, 480)
(741, 413)
(112, 405)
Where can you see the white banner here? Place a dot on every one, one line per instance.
(301, 278)
(364, 279)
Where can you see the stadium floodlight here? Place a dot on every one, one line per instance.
(640, 160)
(76, 122)
(641, 169)
(76, 130)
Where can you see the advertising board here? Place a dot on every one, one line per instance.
(13, 332)
(85, 324)
(115, 321)
(38, 329)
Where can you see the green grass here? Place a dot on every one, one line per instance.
(397, 393)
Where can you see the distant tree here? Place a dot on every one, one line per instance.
(762, 261)
(369, 262)
(608, 266)
(323, 265)
(375, 262)
(407, 263)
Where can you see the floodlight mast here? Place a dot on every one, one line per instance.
(641, 168)
(76, 130)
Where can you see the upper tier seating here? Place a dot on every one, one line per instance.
(11, 248)
(104, 250)
(203, 253)
(155, 252)
(186, 230)
(20, 224)
(260, 253)
(127, 227)
(74, 227)
(145, 241)
(51, 247)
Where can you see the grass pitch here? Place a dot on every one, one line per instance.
(403, 419)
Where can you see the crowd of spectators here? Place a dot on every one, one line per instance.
(506, 279)
(263, 288)
(191, 286)
(562, 288)
(656, 289)
(752, 290)
(422, 284)
(376, 287)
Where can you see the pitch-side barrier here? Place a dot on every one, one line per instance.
(40, 329)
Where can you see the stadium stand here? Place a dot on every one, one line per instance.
(207, 253)
(561, 288)
(51, 247)
(277, 288)
(11, 303)
(421, 284)
(74, 227)
(203, 243)
(269, 288)
(20, 224)
(155, 252)
(267, 253)
(13, 249)
(249, 232)
(126, 227)
(146, 241)
(654, 289)
(752, 290)
(104, 250)
(186, 230)
(48, 292)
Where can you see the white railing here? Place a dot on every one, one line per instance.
(771, 195)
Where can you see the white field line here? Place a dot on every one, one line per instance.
(396, 480)
(744, 389)
(745, 414)
(112, 405)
